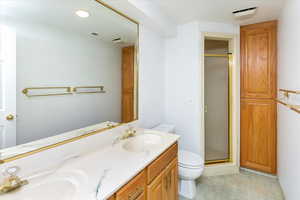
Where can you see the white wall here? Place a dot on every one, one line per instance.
(289, 121)
(183, 86)
(47, 56)
(185, 81)
(151, 78)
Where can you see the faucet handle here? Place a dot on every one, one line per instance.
(11, 171)
(109, 124)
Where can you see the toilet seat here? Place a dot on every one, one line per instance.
(190, 160)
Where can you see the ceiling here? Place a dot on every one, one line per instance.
(182, 11)
(61, 14)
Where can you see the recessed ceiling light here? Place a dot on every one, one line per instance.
(82, 13)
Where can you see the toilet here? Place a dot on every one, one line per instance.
(190, 166)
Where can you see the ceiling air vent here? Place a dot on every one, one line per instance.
(245, 12)
(117, 40)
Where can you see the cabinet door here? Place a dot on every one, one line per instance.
(156, 188)
(170, 181)
(258, 135)
(258, 60)
(127, 84)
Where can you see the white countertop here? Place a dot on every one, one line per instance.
(113, 165)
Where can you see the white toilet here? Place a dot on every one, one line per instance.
(190, 166)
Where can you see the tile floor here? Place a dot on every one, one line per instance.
(243, 186)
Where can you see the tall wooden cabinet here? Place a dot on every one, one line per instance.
(258, 93)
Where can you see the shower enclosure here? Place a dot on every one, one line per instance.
(217, 68)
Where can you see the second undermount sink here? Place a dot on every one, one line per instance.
(143, 142)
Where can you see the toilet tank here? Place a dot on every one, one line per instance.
(167, 128)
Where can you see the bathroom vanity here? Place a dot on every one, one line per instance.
(140, 167)
(159, 180)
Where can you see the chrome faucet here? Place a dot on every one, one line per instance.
(12, 182)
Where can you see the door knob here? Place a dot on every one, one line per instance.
(10, 117)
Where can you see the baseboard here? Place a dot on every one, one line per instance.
(258, 173)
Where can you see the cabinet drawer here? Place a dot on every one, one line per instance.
(134, 189)
(157, 166)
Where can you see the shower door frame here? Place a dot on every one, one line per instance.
(230, 106)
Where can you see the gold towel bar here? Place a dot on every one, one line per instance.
(295, 108)
(26, 91)
(77, 89)
(287, 93)
(217, 55)
(67, 90)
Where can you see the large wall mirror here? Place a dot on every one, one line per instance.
(68, 68)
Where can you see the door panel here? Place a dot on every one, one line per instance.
(127, 84)
(165, 186)
(258, 60)
(170, 181)
(155, 189)
(258, 139)
(7, 87)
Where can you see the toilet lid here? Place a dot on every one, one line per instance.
(190, 160)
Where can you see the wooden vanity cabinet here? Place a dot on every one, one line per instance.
(135, 189)
(165, 186)
(112, 198)
(158, 181)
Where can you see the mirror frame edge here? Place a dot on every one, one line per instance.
(63, 142)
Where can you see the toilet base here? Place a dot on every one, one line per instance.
(187, 189)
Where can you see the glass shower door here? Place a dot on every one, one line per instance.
(217, 108)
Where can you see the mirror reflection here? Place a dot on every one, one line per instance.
(67, 68)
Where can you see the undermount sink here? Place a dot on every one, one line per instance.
(56, 187)
(143, 142)
(59, 189)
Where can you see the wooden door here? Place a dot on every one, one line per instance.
(156, 188)
(258, 60)
(258, 93)
(128, 84)
(170, 181)
(258, 140)
(8, 92)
